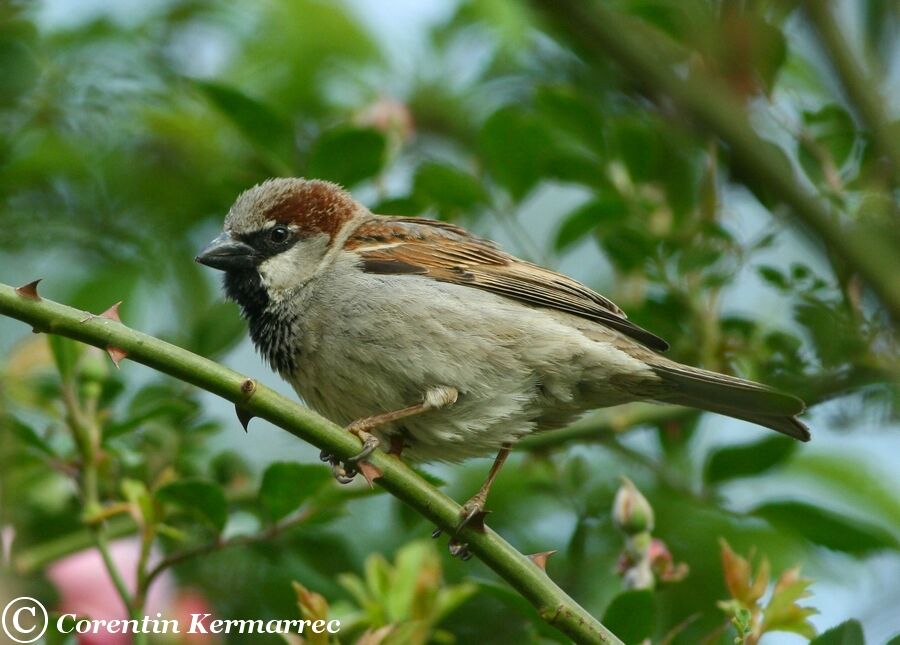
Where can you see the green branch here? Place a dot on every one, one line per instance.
(263, 535)
(554, 606)
(28, 561)
(858, 84)
(600, 34)
(83, 424)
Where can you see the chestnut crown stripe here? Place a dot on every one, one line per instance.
(315, 207)
(311, 206)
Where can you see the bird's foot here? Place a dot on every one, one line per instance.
(471, 515)
(345, 471)
(370, 442)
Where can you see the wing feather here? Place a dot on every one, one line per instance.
(448, 253)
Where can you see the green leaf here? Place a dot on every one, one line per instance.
(631, 615)
(747, 460)
(61, 636)
(671, 18)
(826, 141)
(414, 563)
(832, 128)
(773, 276)
(509, 21)
(95, 292)
(849, 632)
(286, 485)
(854, 481)
(832, 329)
(199, 496)
(155, 401)
(408, 206)
(448, 188)
(450, 598)
(775, 156)
(627, 248)
(347, 155)
(639, 144)
(297, 49)
(136, 493)
(782, 613)
(18, 57)
(218, 328)
(259, 123)
(608, 209)
(826, 528)
(515, 145)
(881, 18)
(771, 51)
(65, 354)
(573, 114)
(27, 435)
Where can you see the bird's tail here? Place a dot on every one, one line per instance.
(733, 397)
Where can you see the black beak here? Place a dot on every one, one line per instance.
(226, 253)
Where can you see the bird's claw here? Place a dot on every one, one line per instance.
(370, 443)
(459, 549)
(342, 473)
(472, 515)
(345, 471)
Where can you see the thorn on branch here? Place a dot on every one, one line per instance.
(116, 354)
(243, 416)
(248, 388)
(540, 559)
(112, 313)
(29, 290)
(370, 471)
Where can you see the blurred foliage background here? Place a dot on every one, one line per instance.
(128, 128)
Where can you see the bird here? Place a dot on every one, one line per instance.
(417, 335)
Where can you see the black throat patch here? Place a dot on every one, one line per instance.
(273, 328)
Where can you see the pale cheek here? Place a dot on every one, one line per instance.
(293, 268)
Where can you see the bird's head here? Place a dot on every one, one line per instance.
(277, 236)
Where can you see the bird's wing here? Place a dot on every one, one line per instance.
(448, 253)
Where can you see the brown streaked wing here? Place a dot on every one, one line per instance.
(448, 253)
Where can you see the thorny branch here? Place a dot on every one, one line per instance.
(557, 608)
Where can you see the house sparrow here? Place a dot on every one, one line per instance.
(415, 333)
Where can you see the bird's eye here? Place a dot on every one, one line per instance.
(279, 234)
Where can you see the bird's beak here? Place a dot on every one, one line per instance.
(226, 253)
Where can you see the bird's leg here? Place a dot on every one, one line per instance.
(398, 443)
(472, 512)
(435, 399)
